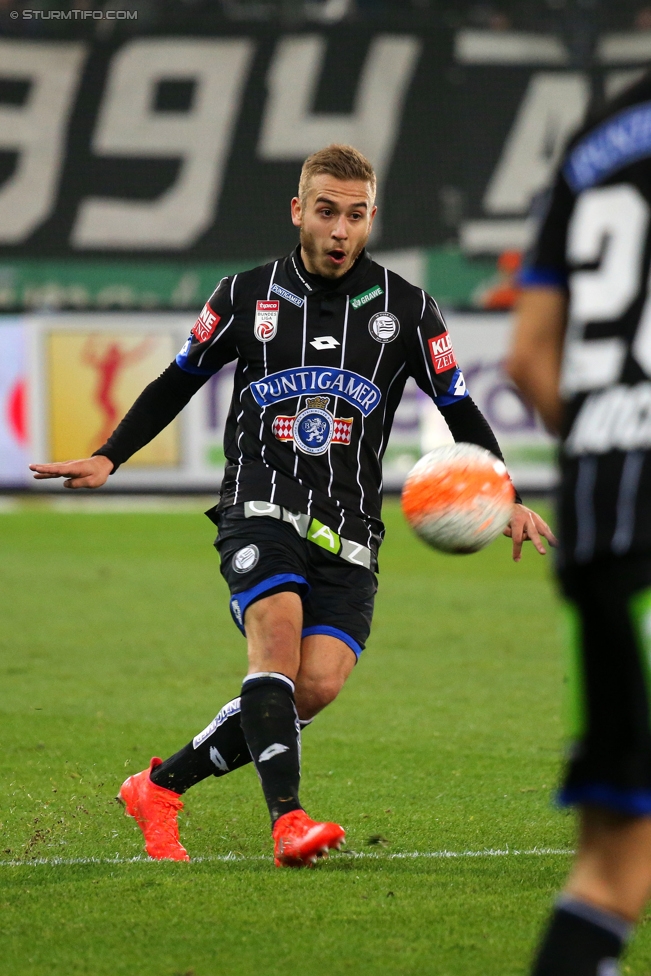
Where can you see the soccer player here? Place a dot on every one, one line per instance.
(582, 355)
(324, 341)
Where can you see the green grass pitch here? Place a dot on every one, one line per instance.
(116, 644)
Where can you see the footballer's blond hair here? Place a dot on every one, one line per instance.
(340, 161)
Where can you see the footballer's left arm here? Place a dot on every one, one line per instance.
(527, 525)
(467, 423)
(433, 364)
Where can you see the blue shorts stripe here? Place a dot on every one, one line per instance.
(334, 632)
(636, 802)
(240, 601)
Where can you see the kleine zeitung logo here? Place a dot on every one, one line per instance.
(442, 353)
(206, 324)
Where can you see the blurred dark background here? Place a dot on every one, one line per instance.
(562, 16)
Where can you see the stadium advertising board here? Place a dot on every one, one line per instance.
(14, 440)
(83, 371)
(136, 170)
(93, 377)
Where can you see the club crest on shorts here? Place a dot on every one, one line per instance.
(266, 320)
(384, 326)
(245, 559)
(314, 428)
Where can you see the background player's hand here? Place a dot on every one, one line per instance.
(86, 473)
(526, 524)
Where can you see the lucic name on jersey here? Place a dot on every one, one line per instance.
(321, 367)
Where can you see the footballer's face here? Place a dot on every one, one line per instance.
(335, 219)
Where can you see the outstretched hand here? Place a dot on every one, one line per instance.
(526, 524)
(86, 473)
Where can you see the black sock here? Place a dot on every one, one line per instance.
(272, 733)
(581, 940)
(218, 750)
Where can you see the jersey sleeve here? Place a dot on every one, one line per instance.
(545, 265)
(211, 343)
(430, 356)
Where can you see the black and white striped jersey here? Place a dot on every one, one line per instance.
(595, 240)
(321, 367)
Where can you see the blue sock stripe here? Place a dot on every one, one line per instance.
(334, 632)
(240, 601)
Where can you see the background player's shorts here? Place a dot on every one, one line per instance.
(262, 556)
(609, 684)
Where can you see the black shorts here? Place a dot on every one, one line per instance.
(608, 606)
(260, 556)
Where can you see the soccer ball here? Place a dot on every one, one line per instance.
(458, 498)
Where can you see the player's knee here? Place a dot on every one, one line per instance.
(313, 694)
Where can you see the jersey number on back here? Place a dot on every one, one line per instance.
(608, 229)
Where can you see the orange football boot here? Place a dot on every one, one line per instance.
(154, 809)
(300, 840)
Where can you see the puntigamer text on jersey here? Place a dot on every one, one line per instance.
(351, 387)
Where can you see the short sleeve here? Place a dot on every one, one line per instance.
(431, 358)
(211, 343)
(545, 266)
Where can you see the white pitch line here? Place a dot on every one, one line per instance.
(141, 859)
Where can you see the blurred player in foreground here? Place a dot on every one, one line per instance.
(582, 356)
(324, 341)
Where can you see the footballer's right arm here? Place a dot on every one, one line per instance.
(155, 408)
(208, 348)
(89, 472)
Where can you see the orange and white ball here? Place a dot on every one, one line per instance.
(458, 498)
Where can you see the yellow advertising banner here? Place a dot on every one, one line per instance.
(93, 378)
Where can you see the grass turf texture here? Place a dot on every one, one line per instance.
(116, 644)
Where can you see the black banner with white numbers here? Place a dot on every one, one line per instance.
(190, 147)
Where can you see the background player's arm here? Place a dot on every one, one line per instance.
(534, 362)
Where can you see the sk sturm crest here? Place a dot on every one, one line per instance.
(384, 326)
(266, 320)
(458, 498)
(245, 559)
(314, 428)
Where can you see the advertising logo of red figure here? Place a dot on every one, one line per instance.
(266, 320)
(206, 324)
(442, 353)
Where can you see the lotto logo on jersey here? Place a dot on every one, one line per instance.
(266, 320)
(206, 324)
(442, 353)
